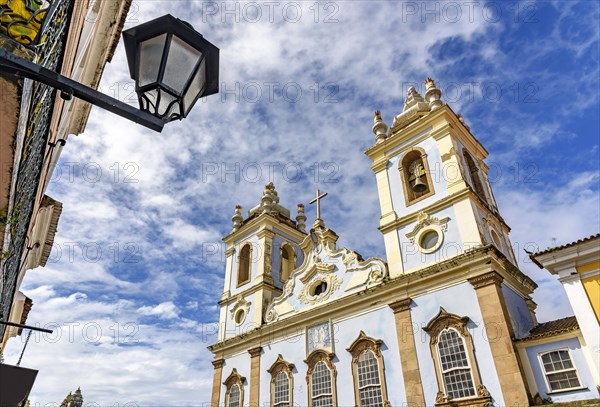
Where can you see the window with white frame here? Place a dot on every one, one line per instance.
(281, 390)
(321, 389)
(234, 396)
(369, 383)
(234, 393)
(282, 383)
(453, 356)
(454, 365)
(559, 370)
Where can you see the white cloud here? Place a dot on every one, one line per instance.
(165, 310)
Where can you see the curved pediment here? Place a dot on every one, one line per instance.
(327, 273)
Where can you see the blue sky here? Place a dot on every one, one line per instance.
(132, 283)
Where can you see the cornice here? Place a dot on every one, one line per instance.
(254, 288)
(268, 222)
(265, 233)
(450, 272)
(434, 207)
(399, 136)
(380, 164)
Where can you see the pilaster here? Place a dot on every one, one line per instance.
(408, 353)
(500, 337)
(216, 387)
(255, 375)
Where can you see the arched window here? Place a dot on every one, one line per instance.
(234, 396)
(454, 364)
(416, 178)
(475, 176)
(234, 393)
(282, 383)
(321, 379)
(454, 359)
(368, 372)
(244, 265)
(287, 262)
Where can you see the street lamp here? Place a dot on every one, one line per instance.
(172, 65)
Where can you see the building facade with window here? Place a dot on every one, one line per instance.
(304, 322)
(76, 39)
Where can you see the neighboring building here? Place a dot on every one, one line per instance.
(564, 355)
(73, 400)
(305, 322)
(77, 39)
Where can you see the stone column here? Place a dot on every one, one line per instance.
(408, 353)
(216, 387)
(254, 375)
(500, 336)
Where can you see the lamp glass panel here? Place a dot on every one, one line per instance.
(196, 88)
(165, 106)
(151, 52)
(181, 61)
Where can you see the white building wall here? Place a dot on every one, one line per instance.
(241, 363)
(378, 324)
(461, 300)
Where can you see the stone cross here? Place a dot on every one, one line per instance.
(318, 201)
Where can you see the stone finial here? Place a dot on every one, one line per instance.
(432, 94)
(269, 203)
(301, 218)
(462, 120)
(415, 107)
(379, 128)
(268, 198)
(412, 98)
(237, 217)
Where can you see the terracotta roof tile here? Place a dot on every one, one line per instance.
(552, 328)
(553, 249)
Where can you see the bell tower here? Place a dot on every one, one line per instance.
(435, 196)
(261, 252)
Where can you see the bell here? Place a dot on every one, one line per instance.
(419, 186)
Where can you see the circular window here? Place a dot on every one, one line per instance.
(239, 317)
(318, 288)
(429, 240)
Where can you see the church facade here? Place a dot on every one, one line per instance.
(443, 320)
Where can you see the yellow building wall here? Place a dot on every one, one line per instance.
(591, 285)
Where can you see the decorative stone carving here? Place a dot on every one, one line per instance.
(424, 220)
(445, 320)
(482, 391)
(268, 266)
(240, 304)
(269, 203)
(319, 245)
(414, 108)
(333, 284)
